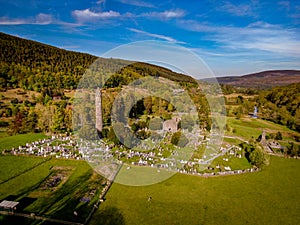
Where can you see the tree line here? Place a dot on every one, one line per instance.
(280, 105)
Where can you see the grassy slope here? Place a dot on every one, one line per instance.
(20, 139)
(268, 197)
(249, 127)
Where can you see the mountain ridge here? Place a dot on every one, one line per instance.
(23, 60)
(261, 80)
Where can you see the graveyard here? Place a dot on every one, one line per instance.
(186, 160)
(228, 159)
(190, 159)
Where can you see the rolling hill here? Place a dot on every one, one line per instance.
(262, 80)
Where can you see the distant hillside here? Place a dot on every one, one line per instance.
(35, 66)
(262, 80)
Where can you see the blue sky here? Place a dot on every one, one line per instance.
(232, 37)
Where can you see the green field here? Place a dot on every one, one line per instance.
(32, 185)
(232, 141)
(20, 139)
(267, 197)
(234, 163)
(249, 127)
(13, 166)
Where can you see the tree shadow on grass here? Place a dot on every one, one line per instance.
(108, 216)
(23, 202)
(15, 220)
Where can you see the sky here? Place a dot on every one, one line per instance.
(231, 37)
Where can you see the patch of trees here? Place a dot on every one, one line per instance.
(179, 139)
(229, 89)
(281, 105)
(53, 117)
(157, 71)
(270, 136)
(4, 123)
(293, 150)
(255, 154)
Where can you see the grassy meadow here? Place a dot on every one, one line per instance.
(31, 181)
(15, 141)
(267, 197)
(11, 167)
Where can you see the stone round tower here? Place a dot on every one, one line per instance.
(98, 105)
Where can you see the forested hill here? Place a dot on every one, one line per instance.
(262, 80)
(33, 66)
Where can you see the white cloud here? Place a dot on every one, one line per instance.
(43, 18)
(295, 15)
(173, 14)
(99, 2)
(8, 21)
(278, 44)
(137, 3)
(88, 15)
(159, 36)
(237, 10)
(285, 4)
(168, 14)
(262, 24)
(260, 36)
(40, 19)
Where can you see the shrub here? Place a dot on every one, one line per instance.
(179, 139)
(156, 124)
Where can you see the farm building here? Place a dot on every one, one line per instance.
(8, 205)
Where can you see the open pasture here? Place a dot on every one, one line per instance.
(267, 197)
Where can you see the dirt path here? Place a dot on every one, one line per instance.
(235, 137)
